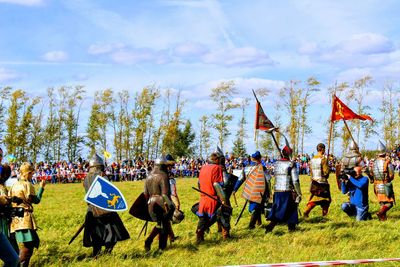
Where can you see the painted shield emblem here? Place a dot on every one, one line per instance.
(104, 195)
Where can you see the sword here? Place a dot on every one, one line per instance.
(234, 198)
(241, 213)
(212, 197)
(77, 233)
(144, 226)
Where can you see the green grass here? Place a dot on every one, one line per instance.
(62, 211)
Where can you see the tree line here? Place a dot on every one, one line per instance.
(151, 121)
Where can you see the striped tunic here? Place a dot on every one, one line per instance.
(255, 186)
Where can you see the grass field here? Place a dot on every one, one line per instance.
(62, 211)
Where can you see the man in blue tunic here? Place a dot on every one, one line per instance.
(356, 185)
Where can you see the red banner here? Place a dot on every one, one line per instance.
(262, 122)
(342, 112)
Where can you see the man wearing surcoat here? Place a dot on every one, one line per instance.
(319, 189)
(102, 228)
(210, 182)
(256, 189)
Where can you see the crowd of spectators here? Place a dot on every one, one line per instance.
(138, 169)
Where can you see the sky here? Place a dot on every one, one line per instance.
(193, 45)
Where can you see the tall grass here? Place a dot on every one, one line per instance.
(62, 211)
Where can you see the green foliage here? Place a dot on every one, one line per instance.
(141, 116)
(184, 142)
(337, 236)
(204, 136)
(222, 96)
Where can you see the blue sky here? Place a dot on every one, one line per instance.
(193, 45)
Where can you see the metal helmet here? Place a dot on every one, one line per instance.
(381, 149)
(96, 161)
(219, 152)
(178, 216)
(287, 150)
(170, 159)
(353, 145)
(161, 160)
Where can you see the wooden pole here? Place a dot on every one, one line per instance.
(331, 127)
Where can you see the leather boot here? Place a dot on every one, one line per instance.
(382, 213)
(291, 227)
(163, 239)
(219, 227)
(308, 209)
(225, 233)
(25, 255)
(199, 236)
(253, 221)
(325, 210)
(270, 227)
(109, 247)
(149, 239)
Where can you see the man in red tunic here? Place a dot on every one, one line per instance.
(210, 182)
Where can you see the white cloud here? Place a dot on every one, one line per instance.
(190, 49)
(206, 104)
(8, 75)
(367, 43)
(55, 56)
(144, 55)
(242, 57)
(359, 51)
(23, 2)
(98, 49)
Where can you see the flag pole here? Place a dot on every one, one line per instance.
(271, 132)
(331, 127)
(351, 135)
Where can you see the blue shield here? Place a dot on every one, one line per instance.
(104, 195)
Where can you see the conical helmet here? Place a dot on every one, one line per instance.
(381, 149)
(95, 161)
(286, 150)
(161, 160)
(353, 145)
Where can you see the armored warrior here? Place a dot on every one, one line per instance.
(25, 227)
(211, 183)
(287, 193)
(160, 207)
(320, 191)
(256, 189)
(381, 173)
(102, 228)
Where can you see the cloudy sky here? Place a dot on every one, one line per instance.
(192, 45)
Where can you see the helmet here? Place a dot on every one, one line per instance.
(169, 159)
(162, 160)
(96, 161)
(353, 146)
(381, 149)
(178, 216)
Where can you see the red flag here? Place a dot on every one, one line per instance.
(342, 112)
(262, 122)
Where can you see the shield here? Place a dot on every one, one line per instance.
(104, 195)
(139, 208)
